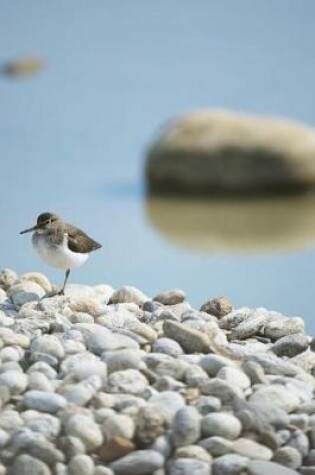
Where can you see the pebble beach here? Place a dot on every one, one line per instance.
(107, 381)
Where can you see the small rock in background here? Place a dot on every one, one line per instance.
(219, 307)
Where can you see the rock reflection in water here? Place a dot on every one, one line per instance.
(243, 224)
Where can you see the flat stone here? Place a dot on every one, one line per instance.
(140, 462)
(251, 449)
(99, 339)
(278, 328)
(290, 345)
(192, 341)
(128, 294)
(84, 427)
(259, 467)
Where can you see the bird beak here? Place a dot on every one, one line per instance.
(29, 230)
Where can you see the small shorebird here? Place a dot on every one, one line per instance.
(60, 245)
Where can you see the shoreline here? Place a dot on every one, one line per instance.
(104, 381)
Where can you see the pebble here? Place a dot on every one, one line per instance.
(192, 341)
(128, 294)
(234, 377)
(216, 445)
(81, 465)
(26, 464)
(259, 467)
(118, 425)
(230, 464)
(170, 297)
(221, 424)
(186, 427)
(251, 449)
(194, 452)
(24, 292)
(44, 401)
(206, 404)
(140, 462)
(149, 423)
(168, 402)
(115, 448)
(167, 346)
(129, 381)
(213, 363)
(99, 339)
(188, 466)
(222, 390)
(288, 456)
(290, 345)
(84, 427)
(15, 381)
(219, 307)
(276, 395)
(278, 328)
(48, 344)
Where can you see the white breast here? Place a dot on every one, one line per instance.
(58, 256)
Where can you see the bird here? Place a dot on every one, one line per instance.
(60, 244)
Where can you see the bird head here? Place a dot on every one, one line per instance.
(44, 222)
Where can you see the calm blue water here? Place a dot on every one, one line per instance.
(73, 138)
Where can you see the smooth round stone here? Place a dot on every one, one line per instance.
(276, 395)
(42, 367)
(39, 279)
(168, 402)
(206, 404)
(81, 465)
(299, 441)
(222, 425)
(26, 465)
(118, 425)
(101, 470)
(230, 464)
(216, 445)
(288, 456)
(167, 383)
(193, 452)
(48, 344)
(254, 371)
(290, 345)
(83, 370)
(167, 346)
(162, 445)
(44, 401)
(71, 446)
(129, 381)
(234, 376)
(278, 328)
(190, 339)
(4, 438)
(73, 347)
(128, 294)
(251, 449)
(149, 424)
(186, 427)
(24, 292)
(188, 466)
(195, 376)
(15, 381)
(259, 467)
(84, 427)
(140, 462)
(222, 390)
(10, 353)
(99, 339)
(10, 337)
(170, 297)
(10, 420)
(165, 365)
(40, 382)
(81, 393)
(45, 424)
(122, 359)
(300, 421)
(213, 363)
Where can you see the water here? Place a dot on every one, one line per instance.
(73, 139)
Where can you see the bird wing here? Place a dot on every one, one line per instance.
(80, 242)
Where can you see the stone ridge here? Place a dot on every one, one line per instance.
(112, 382)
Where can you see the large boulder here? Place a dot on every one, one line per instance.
(219, 151)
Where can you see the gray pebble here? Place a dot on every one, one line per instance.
(230, 464)
(216, 445)
(213, 363)
(122, 359)
(221, 424)
(288, 456)
(191, 340)
(44, 401)
(25, 465)
(81, 465)
(170, 297)
(290, 345)
(149, 424)
(84, 427)
(15, 381)
(186, 427)
(260, 467)
(118, 425)
(206, 404)
(140, 462)
(188, 466)
(167, 346)
(129, 381)
(48, 344)
(168, 403)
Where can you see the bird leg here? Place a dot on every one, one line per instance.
(58, 292)
(62, 291)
